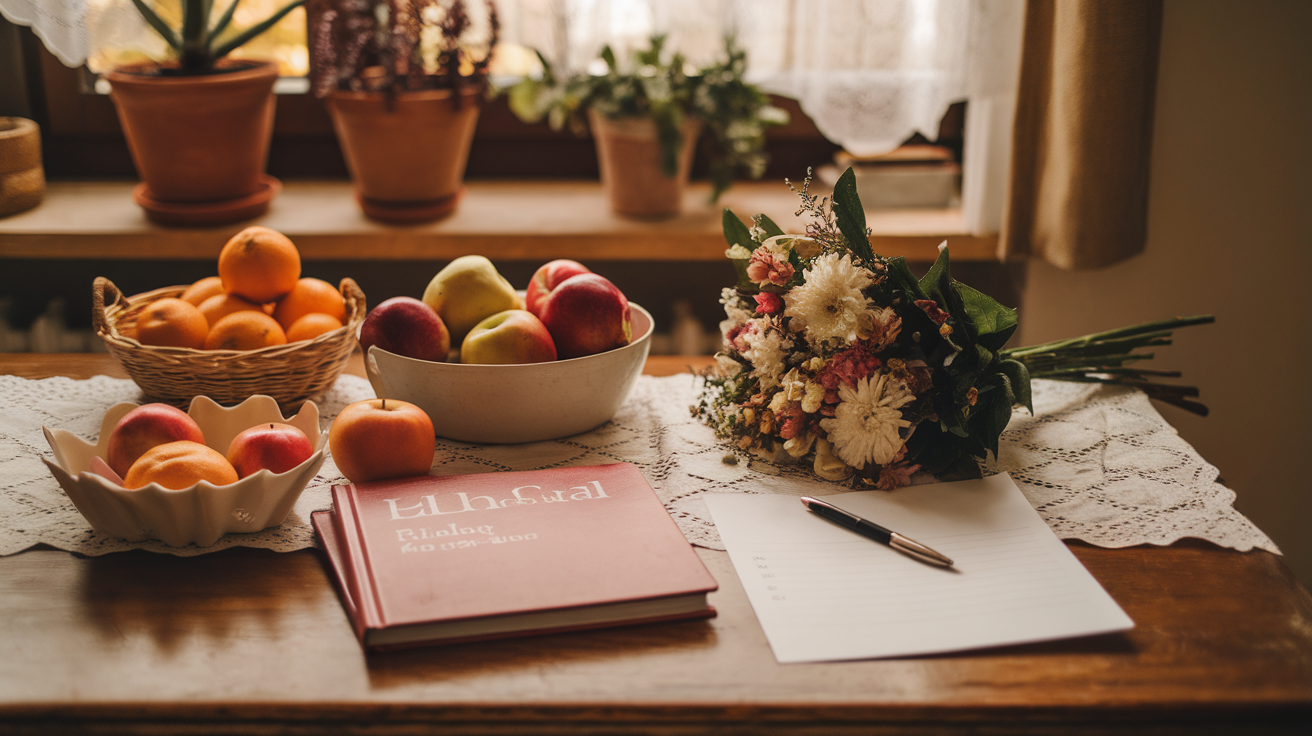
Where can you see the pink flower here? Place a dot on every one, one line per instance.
(849, 366)
(794, 419)
(768, 303)
(932, 310)
(769, 268)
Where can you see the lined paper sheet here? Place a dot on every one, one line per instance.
(824, 593)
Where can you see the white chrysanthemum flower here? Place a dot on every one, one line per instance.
(766, 349)
(829, 305)
(865, 425)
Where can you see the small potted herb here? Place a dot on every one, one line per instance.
(646, 117)
(404, 84)
(199, 124)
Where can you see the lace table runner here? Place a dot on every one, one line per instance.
(1099, 464)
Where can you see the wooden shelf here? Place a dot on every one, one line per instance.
(504, 220)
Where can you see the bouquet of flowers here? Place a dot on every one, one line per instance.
(839, 355)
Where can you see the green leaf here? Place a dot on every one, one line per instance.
(224, 20)
(992, 412)
(1019, 376)
(735, 232)
(158, 24)
(768, 225)
(994, 323)
(851, 216)
(903, 279)
(255, 30)
(936, 273)
(608, 56)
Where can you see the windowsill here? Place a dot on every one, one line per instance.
(504, 220)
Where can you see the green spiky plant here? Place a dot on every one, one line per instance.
(197, 42)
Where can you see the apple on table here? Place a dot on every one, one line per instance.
(376, 439)
(586, 314)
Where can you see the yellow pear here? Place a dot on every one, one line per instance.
(466, 292)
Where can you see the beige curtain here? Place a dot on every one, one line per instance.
(1083, 132)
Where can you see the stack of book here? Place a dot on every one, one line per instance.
(909, 176)
(439, 559)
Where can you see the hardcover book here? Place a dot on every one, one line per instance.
(434, 559)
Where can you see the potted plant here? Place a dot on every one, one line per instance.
(404, 84)
(646, 118)
(198, 125)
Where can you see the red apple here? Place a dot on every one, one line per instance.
(274, 446)
(512, 336)
(145, 427)
(406, 326)
(548, 276)
(587, 314)
(382, 438)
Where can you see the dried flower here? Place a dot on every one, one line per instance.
(866, 425)
(829, 304)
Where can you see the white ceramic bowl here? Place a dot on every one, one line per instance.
(515, 403)
(198, 515)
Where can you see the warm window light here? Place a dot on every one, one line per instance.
(118, 35)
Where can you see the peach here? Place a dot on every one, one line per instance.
(512, 336)
(548, 276)
(382, 438)
(274, 446)
(406, 326)
(587, 314)
(145, 427)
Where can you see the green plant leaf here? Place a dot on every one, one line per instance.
(608, 56)
(224, 20)
(735, 232)
(994, 323)
(769, 226)
(851, 216)
(1019, 375)
(255, 30)
(157, 23)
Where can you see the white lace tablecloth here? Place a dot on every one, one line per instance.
(1099, 463)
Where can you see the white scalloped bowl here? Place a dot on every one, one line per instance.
(504, 404)
(197, 515)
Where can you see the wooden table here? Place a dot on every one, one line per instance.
(253, 641)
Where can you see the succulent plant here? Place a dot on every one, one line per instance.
(197, 43)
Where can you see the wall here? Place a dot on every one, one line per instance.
(1229, 211)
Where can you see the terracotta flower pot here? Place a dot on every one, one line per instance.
(199, 140)
(630, 158)
(406, 155)
(22, 178)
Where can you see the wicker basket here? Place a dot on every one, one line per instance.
(290, 373)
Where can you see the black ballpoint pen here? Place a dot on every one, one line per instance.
(874, 531)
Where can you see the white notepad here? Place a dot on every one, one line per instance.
(824, 593)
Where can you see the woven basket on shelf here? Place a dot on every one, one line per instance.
(290, 373)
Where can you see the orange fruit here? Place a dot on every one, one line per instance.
(202, 290)
(309, 295)
(311, 326)
(221, 305)
(171, 322)
(245, 330)
(179, 465)
(259, 264)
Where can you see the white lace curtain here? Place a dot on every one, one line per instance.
(869, 72)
